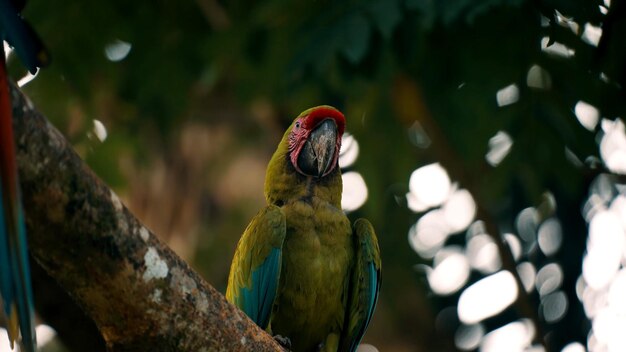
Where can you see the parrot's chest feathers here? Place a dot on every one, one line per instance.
(320, 235)
(316, 260)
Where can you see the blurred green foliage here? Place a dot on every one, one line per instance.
(245, 68)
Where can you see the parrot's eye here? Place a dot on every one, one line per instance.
(297, 124)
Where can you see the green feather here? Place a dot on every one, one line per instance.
(255, 271)
(327, 274)
(364, 285)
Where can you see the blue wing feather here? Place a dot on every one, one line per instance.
(15, 275)
(20, 35)
(23, 289)
(371, 300)
(255, 271)
(260, 297)
(15, 286)
(6, 284)
(374, 287)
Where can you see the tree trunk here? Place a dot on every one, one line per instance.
(141, 296)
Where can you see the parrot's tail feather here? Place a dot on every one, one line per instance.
(15, 285)
(13, 326)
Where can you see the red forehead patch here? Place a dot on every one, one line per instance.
(322, 113)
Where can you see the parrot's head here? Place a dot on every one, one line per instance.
(315, 140)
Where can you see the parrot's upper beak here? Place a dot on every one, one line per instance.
(318, 152)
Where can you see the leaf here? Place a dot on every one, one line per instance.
(355, 41)
(386, 15)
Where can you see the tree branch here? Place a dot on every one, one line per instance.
(138, 292)
(53, 305)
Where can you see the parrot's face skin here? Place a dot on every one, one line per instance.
(315, 140)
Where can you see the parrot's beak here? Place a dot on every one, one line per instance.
(319, 150)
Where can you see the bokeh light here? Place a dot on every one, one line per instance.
(349, 150)
(602, 285)
(554, 306)
(603, 10)
(587, 114)
(429, 233)
(593, 300)
(45, 334)
(526, 223)
(618, 207)
(499, 147)
(573, 347)
(430, 184)
(613, 145)
(608, 328)
(7, 50)
(538, 239)
(607, 310)
(602, 282)
(549, 278)
(482, 253)
(601, 193)
(29, 77)
(450, 272)
(468, 337)
(617, 293)
(4, 340)
(605, 248)
(550, 236)
(117, 50)
(364, 347)
(556, 48)
(354, 191)
(414, 203)
(99, 130)
(515, 336)
(592, 34)
(417, 136)
(507, 95)
(487, 297)
(528, 274)
(538, 77)
(459, 210)
(514, 245)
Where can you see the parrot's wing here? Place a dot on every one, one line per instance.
(15, 289)
(364, 285)
(255, 271)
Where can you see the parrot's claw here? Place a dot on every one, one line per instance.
(283, 341)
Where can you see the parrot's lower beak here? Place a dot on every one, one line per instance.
(318, 152)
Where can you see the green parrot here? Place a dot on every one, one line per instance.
(300, 270)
